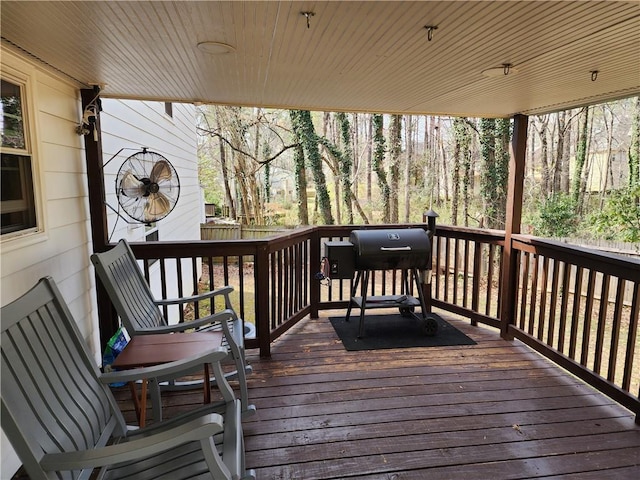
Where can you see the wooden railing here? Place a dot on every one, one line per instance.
(575, 306)
(467, 269)
(580, 308)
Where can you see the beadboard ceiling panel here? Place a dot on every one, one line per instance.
(370, 56)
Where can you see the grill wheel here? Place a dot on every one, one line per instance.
(430, 326)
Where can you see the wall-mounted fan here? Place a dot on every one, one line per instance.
(147, 186)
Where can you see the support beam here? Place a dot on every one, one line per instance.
(108, 321)
(509, 283)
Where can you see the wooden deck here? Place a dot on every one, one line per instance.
(496, 410)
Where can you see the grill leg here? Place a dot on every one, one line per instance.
(365, 284)
(423, 305)
(353, 294)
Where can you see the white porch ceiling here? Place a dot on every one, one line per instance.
(355, 56)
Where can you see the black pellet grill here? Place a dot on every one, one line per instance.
(407, 249)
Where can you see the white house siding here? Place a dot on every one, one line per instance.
(132, 125)
(63, 247)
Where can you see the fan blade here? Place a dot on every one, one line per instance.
(157, 206)
(131, 186)
(160, 172)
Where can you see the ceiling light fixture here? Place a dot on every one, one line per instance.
(215, 48)
(502, 71)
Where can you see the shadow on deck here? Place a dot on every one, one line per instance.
(494, 410)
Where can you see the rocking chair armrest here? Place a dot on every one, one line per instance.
(195, 430)
(219, 408)
(219, 317)
(166, 370)
(225, 291)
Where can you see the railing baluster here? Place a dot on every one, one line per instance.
(465, 273)
(243, 313)
(602, 322)
(446, 269)
(631, 340)
(586, 330)
(543, 298)
(526, 260)
(615, 330)
(552, 306)
(490, 270)
(577, 296)
(534, 294)
(181, 288)
(456, 269)
(564, 301)
(438, 265)
(477, 275)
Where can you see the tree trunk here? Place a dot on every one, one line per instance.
(634, 147)
(442, 157)
(542, 130)
(564, 174)
(466, 176)
(407, 166)
(395, 132)
(378, 158)
(302, 122)
(560, 159)
(300, 178)
(458, 130)
(581, 156)
(604, 181)
(503, 141)
(369, 156)
(488, 172)
(225, 172)
(346, 165)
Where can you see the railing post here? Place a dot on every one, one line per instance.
(509, 282)
(314, 284)
(261, 276)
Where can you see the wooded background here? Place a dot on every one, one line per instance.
(298, 167)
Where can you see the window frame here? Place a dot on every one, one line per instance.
(24, 82)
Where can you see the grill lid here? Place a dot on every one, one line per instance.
(391, 249)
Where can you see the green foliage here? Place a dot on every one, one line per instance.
(634, 148)
(556, 217)
(209, 181)
(620, 217)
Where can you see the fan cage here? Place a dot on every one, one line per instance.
(142, 197)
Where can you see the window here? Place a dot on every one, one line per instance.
(168, 109)
(151, 235)
(17, 203)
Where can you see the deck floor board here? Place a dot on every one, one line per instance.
(495, 410)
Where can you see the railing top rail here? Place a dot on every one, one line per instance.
(196, 248)
(471, 233)
(610, 263)
(345, 230)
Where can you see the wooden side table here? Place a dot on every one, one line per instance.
(150, 350)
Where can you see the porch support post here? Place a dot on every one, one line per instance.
(108, 321)
(261, 276)
(509, 284)
(314, 284)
